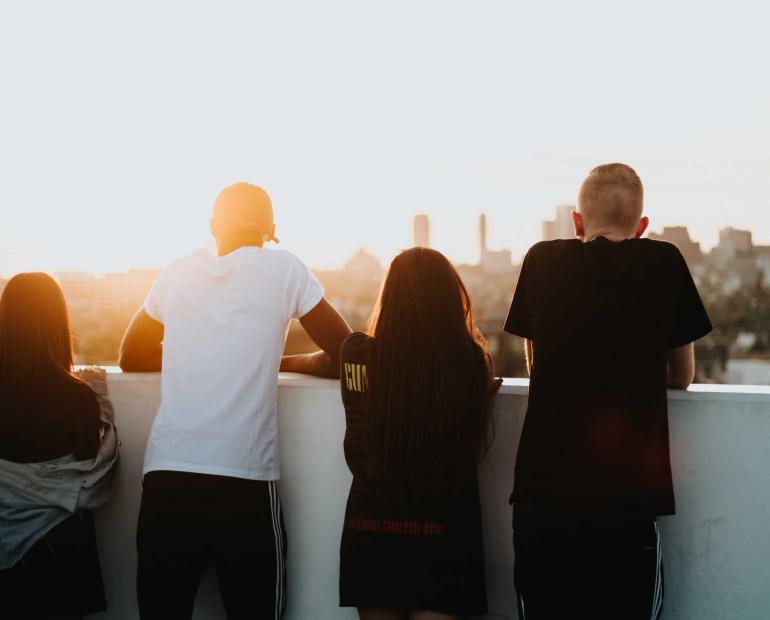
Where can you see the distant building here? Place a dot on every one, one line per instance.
(734, 240)
(126, 290)
(562, 227)
(680, 237)
(352, 290)
(736, 252)
(421, 231)
(763, 263)
(490, 260)
(363, 266)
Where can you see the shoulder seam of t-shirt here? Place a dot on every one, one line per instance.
(312, 303)
(150, 313)
(357, 336)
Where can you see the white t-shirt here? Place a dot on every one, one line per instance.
(225, 322)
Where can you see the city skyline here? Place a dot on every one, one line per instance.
(733, 278)
(14, 260)
(730, 240)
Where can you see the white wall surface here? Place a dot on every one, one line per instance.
(716, 549)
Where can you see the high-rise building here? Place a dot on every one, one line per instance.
(733, 240)
(734, 246)
(421, 231)
(491, 260)
(680, 237)
(561, 227)
(736, 252)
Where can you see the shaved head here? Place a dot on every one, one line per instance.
(611, 197)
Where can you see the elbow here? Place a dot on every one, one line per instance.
(680, 367)
(125, 362)
(332, 370)
(680, 382)
(130, 362)
(126, 356)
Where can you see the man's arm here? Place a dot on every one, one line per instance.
(680, 367)
(328, 330)
(529, 355)
(142, 346)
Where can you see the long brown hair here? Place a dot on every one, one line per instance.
(428, 381)
(35, 337)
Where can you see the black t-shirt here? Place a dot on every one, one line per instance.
(354, 383)
(602, 316)
(365, 500)
(60, 417)
(421, 553)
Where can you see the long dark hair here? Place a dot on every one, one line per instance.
(428, 381)
(35, 337)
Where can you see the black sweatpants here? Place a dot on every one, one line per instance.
(185, 520)
(569, 566)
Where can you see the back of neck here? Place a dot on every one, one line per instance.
(225, 248)
(613, 236)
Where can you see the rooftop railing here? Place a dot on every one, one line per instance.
(716, 549)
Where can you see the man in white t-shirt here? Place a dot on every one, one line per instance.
(217, 326)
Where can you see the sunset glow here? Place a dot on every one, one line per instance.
(115, 142)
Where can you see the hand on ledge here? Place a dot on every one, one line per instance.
(494, 386)
(91, 373)
(318, 364)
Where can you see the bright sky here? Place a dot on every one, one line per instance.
(119, 123)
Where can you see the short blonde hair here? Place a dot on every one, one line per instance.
(612, 195)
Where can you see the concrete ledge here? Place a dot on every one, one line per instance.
(696, 392)
(716, 549)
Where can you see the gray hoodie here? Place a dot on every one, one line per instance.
(36, 497)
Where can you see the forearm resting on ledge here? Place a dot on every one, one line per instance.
(328, 330)
(318, 363)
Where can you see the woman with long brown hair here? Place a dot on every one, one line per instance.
(416, 391)
(56, 454)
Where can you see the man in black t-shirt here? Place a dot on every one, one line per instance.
(608, 321)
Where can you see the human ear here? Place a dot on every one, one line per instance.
(643, 224)
(577, 220)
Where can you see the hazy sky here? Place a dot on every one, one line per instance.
(120, 123)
